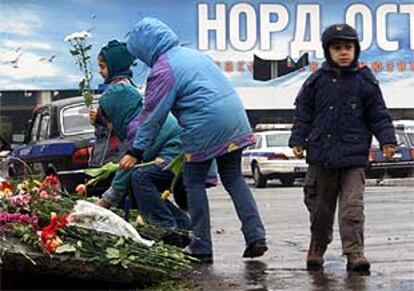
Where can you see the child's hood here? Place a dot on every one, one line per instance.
(117, 58)
(149, 39)
(121, 103)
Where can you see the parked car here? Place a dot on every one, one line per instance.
(59, 141)
(271, 158)
(401, 165)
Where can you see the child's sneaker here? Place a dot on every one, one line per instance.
(255, 249)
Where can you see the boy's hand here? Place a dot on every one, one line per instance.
(388, 151)
(128, 162)
(93, 113)
(299, 152)
(101, 202)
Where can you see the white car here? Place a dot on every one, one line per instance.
(271, 158)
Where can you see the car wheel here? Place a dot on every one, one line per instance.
(260, 181)
(287, 181)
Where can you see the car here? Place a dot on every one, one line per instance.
(271, 158)
(401, 165)
(5, 132)
(59, 140)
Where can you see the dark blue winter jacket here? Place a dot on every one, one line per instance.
(336, 114)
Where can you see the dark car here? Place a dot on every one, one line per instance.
(401, 165)
(58, 140)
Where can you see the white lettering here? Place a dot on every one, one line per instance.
(367, 31)
(382, 40)
(267, 27)
(205, 25)
(409, 8)
(235, 26)
(299, 43)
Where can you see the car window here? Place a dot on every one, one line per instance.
(401, 140)
(44, 127)
(75, 120)
(410, 136)
(258, 143)
(278, 140)
(35, 128)
(400, 137)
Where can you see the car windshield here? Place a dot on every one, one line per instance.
(278, 140)
(401, 140)
(75, 120)
(411, 137)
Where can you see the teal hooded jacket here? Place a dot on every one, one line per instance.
(122, 103)
(118, 60)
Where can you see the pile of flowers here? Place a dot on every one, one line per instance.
(43, 216)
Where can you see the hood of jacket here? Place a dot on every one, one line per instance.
(149, 39)
(118, 60)
(121, 103)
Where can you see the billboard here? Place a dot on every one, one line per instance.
(266, 48)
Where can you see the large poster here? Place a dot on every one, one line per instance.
(266, 48)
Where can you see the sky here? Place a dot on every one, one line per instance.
(33, 32)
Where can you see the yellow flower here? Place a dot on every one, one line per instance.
(232, 147)
(7, 192)
(165, 194)
(140, 220)
(37, 182)
(159, 160)
(187, 157)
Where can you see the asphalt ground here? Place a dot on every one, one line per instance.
(389, 243)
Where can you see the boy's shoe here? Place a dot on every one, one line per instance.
(175, 239)
(202, 258)
(357, 263)
(255, 249)
(314, 260)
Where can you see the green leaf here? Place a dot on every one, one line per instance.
(88, 47)
(120, 242)
(74, 52)
(176, 166)
(66, 248)
(87, 94)
(108, 167)
(82, 84)
(112, 253)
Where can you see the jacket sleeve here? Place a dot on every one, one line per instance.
(304, 114)
(119, 187)
(158, 101)
(378, 117)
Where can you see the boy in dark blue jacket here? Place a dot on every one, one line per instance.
(337, 110)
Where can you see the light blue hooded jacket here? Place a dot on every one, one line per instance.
(191, 86)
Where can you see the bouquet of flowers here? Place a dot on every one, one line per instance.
(80, 50)
(54, 223)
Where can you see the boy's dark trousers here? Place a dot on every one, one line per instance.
(323, 188)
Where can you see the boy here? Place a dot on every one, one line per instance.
(337, 110)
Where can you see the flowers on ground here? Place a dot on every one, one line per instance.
(34, 205)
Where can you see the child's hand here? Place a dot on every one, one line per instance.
(128, 162)
(388, 151)
(299, 152)
(101, 202)
(93, 113)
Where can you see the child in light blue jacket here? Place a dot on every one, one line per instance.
(215, 126)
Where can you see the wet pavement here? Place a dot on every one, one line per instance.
(389, 244)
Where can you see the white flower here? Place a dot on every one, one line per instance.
(78, 35)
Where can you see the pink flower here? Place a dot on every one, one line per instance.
(21, 200)
(8, 218)
(44, 194)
